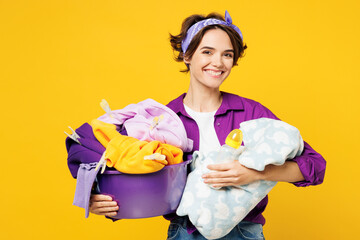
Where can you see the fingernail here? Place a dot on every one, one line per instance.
(111, 197)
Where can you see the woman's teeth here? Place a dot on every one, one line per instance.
(213, 72)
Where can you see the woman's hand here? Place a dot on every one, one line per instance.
(230, 174)
(103, 205)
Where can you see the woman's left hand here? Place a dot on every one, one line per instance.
(230, 174)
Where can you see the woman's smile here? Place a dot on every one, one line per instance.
(213, 73)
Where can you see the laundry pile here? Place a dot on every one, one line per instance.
(141, 138)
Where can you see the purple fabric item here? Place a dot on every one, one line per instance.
(89, 151)
(194, 29)
(82, 160)
(85, 178)
(140, 122)
(233, 111)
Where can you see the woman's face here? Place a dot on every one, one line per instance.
(213, 59)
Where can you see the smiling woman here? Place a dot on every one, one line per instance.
(186, 43)
(210, 46)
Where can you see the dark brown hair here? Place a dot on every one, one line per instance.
(175, 40)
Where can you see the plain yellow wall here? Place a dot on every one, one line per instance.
(58, 59)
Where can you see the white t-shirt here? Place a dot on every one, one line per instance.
(205, 120)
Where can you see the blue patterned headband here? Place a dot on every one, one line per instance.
(194, 29)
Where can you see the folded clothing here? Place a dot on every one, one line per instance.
(216, 212)
(126, 154)
(149, 120)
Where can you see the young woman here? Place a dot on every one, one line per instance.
(210, 46)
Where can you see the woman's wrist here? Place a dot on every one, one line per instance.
(288, 172)
(261, 175)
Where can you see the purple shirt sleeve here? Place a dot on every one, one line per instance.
(312, 165)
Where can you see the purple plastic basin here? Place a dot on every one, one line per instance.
(145, 195)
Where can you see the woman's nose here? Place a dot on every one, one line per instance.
(217, 61)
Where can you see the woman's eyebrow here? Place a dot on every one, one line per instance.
(207, 48)
(211, 48)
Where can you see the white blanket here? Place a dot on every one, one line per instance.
(216, 212)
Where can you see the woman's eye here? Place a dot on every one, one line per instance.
(206, 52)
(228, 55)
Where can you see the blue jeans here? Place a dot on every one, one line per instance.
(243, 231)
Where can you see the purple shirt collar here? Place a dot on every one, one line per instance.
(229, 102)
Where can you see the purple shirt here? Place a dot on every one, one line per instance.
(233, 111)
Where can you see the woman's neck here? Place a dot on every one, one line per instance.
(203, 101)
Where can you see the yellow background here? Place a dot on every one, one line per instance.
(58, 59)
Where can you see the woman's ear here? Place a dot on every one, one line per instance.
(186, 61)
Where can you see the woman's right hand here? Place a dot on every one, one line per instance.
(103, 205)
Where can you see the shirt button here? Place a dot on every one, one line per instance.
(218, 124)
